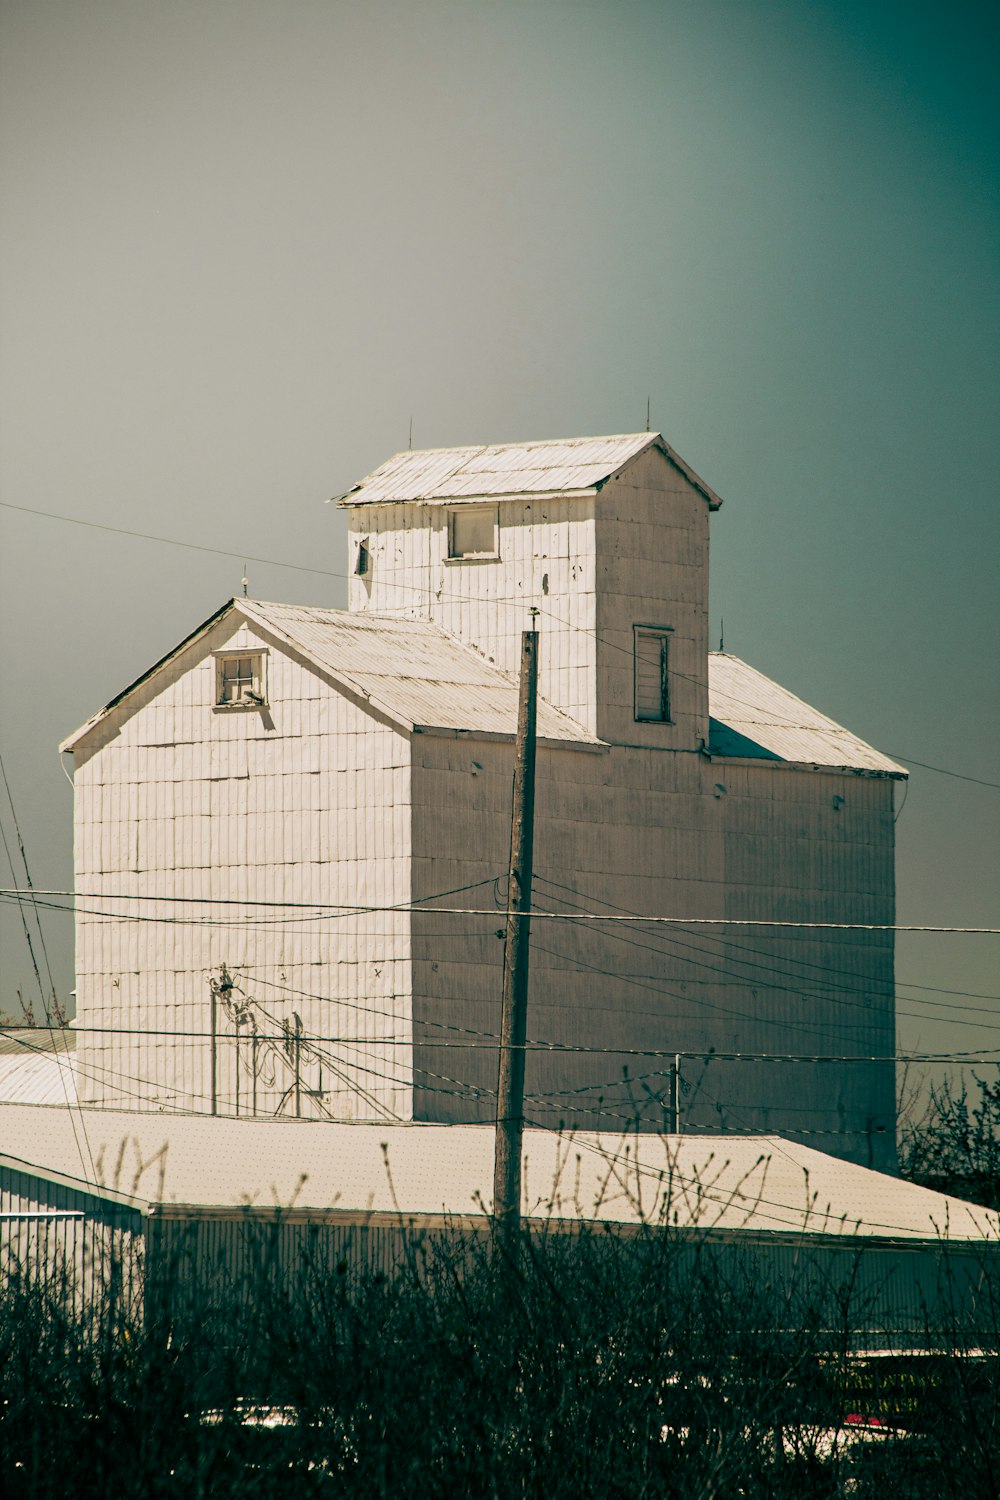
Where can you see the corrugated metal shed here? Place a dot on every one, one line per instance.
(752, 717)
(409, 670)
(734, 1184)
(570, 466)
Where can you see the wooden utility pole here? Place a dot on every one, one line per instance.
(513, 1024)
(213, 1061)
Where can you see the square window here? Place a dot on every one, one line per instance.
(472, 531)
(652, 676)
(239, 680)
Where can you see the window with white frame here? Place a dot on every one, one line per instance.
(240, 680)
(652, 674)
(472, 531)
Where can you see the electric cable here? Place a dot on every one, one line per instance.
(511, 601)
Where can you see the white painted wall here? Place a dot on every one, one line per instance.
(318, 800)
(637, 553)
(652, 569)
(546, 559)
(306, 802)
(644, 832)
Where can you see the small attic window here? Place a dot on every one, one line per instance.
(472, 531)
(363, 561)
(652, 676)
(240, 679)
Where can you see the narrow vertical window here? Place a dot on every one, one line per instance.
(652, 675)
(363, 561)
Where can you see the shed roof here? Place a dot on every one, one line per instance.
(38, 1065)
(752, 717)
(758, 1184)
(411, 671)
(16, 1040)
(42, 1066)
(566, 466)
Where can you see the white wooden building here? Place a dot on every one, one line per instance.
(277, 793)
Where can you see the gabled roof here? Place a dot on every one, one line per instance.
(566, 467)
(763, 1185)
(753, 718)
(409, 671)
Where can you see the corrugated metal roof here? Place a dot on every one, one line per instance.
(760, 1184)
(422, 678)
(753, 717)
(37, 1066)
(411, 670)
(565, 466)
(15, 1041)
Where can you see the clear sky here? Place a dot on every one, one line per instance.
(244, 243)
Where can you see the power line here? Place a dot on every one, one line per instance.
(512, 601)
(168, 541)
(818, 989)
(79, 1136)
(655, 983)
(806, 988)
(957, 775)
(542, 916)
(115, 1078)
(484, 1040)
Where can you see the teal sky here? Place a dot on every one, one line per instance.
(243, 244)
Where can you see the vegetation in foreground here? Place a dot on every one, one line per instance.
(592, 1368)
(954, 1145)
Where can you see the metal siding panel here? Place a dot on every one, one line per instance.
(230, 851)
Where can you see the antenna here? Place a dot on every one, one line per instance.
(410, 443)
(245, 581)
(647, 413)
(722, 634)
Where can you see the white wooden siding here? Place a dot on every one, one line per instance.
(316, 800)
(306, 801)
(593, 567)
(546, 560)
(645, 832)
(652, 569)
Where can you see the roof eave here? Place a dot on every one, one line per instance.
(353, 497)
(503, 737)
(114, 1196)
(68, 745)
(714, 500)
(879, 773)
(345, 502)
